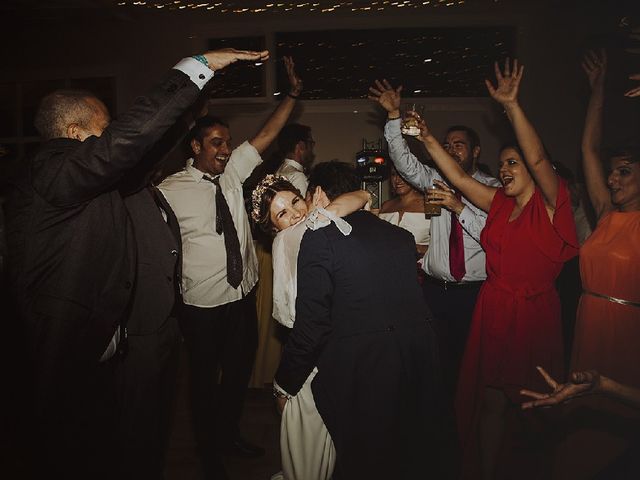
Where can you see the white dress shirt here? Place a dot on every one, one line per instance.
(472, 219)
(204, 258)
(294, 172)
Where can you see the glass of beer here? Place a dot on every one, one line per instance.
(409, 125)
(430, 209)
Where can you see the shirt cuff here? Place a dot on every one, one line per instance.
(197, 71)
(466, 216)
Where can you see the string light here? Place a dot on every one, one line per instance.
(323, 6)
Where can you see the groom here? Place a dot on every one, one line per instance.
(361, 319)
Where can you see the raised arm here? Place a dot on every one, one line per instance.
(595, 65)
(506, 93)
(417, 174)
(281, 114)
(479, 194)
(78, 174)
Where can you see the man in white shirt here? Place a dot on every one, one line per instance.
(450, 288)
(219, 272)
(296, 143)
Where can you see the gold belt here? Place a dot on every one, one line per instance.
(613, 299)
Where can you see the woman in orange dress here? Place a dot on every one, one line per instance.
(607, 332)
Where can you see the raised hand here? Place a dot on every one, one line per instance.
(387, 96)
(219, 59)
(581, 383)
(634, 92)
(594, 64)
(425, 133)
(506, 91)
(294, 80)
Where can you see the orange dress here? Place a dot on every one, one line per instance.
(607, 339)
(607, 334)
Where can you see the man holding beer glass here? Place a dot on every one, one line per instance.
(455, 261)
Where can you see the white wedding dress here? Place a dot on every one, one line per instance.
(305, 444)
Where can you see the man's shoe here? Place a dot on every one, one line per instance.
(239, 447)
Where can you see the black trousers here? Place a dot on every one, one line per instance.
(221, 343)
(146, 380)
(73, 433)
(452, 308)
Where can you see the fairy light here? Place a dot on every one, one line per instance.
(260, 7)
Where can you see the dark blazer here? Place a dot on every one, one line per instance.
(71, 241)
(361, 318)
(159, 261)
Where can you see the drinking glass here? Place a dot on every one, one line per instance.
(409, 125)
(430, 209)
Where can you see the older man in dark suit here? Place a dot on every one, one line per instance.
(362, 320)
(77, 258)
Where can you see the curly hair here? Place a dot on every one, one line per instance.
(335, 178)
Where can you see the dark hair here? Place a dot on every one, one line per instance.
(513, 146)
(290, 135)
(474, 139)
(334, 177)
(281, 184)
(198, 131)
(631, 153)
(61, 108)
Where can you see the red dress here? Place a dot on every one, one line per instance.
(516, 323)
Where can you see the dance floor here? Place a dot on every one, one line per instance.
(260, 425)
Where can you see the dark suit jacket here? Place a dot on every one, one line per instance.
(159, 261)
(72, 245)
(361, 318)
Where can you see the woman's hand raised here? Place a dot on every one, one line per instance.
(594, 64)
(506, 91)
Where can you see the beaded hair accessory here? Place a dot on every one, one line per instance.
(256, 196)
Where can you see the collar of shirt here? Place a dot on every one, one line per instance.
(197, 175)
(294, 164)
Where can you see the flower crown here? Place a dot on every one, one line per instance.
(256, 196)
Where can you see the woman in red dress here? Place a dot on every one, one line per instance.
(528, 236)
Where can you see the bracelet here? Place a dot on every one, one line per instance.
(280, 394)
(393, 118)
(202, 59)
(295, 97)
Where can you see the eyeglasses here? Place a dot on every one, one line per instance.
(310, 141)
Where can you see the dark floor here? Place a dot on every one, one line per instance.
(260, 425)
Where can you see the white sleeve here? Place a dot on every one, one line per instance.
(197, 71)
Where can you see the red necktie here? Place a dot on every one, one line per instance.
(456, 248)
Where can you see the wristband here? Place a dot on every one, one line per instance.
(202, 59)
(393, 118)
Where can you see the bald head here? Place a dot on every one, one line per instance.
(71, 114)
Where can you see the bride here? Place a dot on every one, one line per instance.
(278, 208)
